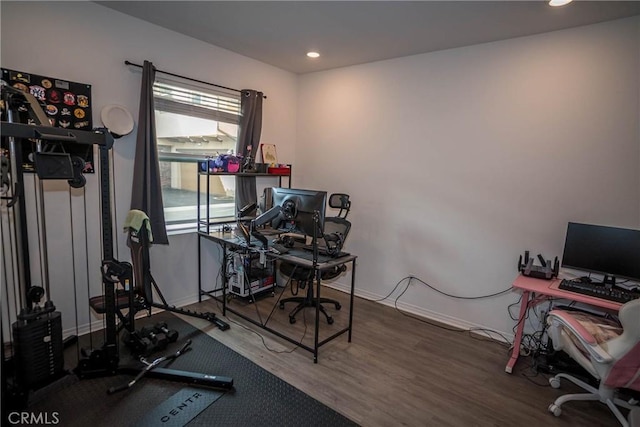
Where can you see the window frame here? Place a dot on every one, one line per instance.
(187, 99)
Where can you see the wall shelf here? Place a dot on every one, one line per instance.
(205, 222)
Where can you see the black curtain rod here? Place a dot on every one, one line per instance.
(188, 78)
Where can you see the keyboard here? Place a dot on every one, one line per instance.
(278, 249)
(323, 251)
(599, 291)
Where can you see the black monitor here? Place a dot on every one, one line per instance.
(298, 208)
(611, 251)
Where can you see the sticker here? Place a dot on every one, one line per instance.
(52, 121)
(83, 101)
(69, 98)
(52, 110)
(81, 124)
(79, 113)
(21, 77)
(46, 83)
(21, 86)
(54, 96)
(38, 92)
(64, 123)
(65, 112)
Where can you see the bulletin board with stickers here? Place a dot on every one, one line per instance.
(67, 105)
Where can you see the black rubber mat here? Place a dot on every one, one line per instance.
(259, 398)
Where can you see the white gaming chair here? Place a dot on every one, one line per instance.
(610, 354)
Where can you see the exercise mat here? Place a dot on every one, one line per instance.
(258, 398)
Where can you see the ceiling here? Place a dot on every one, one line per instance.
(355, 32)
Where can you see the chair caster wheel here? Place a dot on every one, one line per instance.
(330, 320)
(292, 320)
(554, 382)
(555, 409)
(338, 306)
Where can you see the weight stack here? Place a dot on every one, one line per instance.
(39, 357)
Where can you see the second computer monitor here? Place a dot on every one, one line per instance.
(298, 209)
(611, 251)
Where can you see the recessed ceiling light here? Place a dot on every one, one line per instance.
(559, 2)
(313, 54)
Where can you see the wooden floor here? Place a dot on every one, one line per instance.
(398, 370)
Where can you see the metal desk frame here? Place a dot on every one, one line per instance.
(534, 291)
(227, 241)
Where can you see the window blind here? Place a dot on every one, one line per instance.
(208, 105)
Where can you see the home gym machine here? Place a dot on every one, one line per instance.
(36, 358)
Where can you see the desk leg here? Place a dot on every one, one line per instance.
(353, 283)
(519, 329)
(224, 279)
(199, 268)
(315, 343)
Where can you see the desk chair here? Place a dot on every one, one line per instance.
(609, 353)
(335, 232)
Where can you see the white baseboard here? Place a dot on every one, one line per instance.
(409, 308)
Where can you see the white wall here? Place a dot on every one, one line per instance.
(457, 161)
(88, 43)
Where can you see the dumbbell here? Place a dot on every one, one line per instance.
(139, 345)
(159, 340)
(172, 334)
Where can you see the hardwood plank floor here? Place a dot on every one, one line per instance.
(398, 370)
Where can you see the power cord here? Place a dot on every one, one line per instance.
(262, 339)
(409, 280)
(460, 297)
(264, 343)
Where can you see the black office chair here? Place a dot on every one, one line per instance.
(335, 232)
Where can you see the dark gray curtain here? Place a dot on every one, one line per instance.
(146, 194)
(249, 136)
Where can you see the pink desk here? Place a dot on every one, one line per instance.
(535, 291)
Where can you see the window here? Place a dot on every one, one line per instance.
(192, 123)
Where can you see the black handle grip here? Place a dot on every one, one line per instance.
(122, 387)
(221, 324)
(184, 348)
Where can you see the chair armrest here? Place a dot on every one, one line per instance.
(588, 341)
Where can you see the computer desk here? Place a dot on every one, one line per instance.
(535, 291)
(229, 241)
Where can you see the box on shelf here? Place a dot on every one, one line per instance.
(279, 170)
(222, 163)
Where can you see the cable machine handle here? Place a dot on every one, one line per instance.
(52, 137)
(13, 199)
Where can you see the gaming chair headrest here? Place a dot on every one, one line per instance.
(340, 201)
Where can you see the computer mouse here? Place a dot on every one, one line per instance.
(288, 241)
